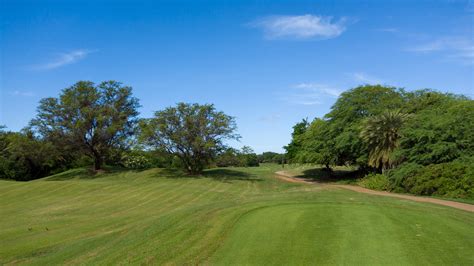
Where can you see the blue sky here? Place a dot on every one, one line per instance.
(268, 63)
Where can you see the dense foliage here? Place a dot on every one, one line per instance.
(381, 133)
(232, 157)
(425, 137)
(192, 132)
(294, 148)
(452, 179)
(271, 157)
(25, 157)
(92, 119)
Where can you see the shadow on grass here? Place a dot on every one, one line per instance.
(87, 173)
(324, 176)
(228, 175)
(79, 173)
(219, 174)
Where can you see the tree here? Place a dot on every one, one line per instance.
(194, 133)
(248, 157)
(349, 112)
(228, 157)
(23, 157)
(271, 157)
(318, 145)
(382, 134)
(440, 130)
(88, 118)
(294, 146)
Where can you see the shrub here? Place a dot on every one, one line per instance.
(135, 162)
(454, 179)
(250, 160)
(24, 157)
(399, 175)
(374, 181)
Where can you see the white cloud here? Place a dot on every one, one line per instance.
(271, 118)
(320, 88)
(457, 48)
(22, 93)
(309, 102)
(363, 78)
(390, 30)
(311, 94)
(304, 98)
(301, 27)
(64, 59)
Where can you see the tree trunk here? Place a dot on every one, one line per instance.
(195, 170)
(328, 167)
(97, 161)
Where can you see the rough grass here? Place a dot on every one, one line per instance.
(226, 216)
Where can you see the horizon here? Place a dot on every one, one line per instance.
(268, 64)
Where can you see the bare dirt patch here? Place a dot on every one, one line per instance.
(458, 205)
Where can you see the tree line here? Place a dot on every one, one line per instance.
(421, 142)
(98, 124)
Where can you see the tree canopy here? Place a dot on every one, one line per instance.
(194, 133)
(438, 129)
(89, 118)
(381, 133)
(294, 147)
(421, 136)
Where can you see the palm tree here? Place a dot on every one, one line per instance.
(382, 134)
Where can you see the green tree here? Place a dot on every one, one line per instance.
(440, 131)
(271, 157)
(228, 157)
(24, 157)
(88, 118)
(348, 113)
(248, 157)
(382, 135)
(318, 145)
(194, 133)
(294, 147)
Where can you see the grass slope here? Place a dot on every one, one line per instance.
(228, 216)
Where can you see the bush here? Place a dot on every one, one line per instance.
(24, 157)
(250, 160)
(135, 162)
(454, 179)
(398, 176)
(374, 181)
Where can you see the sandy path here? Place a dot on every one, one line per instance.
(458, 205)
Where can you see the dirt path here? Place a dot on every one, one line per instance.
(458, 205)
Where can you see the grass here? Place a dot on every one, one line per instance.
(226, 216)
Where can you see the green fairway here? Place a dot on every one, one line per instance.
(227, 216)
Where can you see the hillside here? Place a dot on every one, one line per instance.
(226, 216)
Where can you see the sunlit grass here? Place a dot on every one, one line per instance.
(226, 216)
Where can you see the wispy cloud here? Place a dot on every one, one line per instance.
(311, 93)
(22, 93)
(270, 118)
(456, 48)
(301, 27)
(390, 30)
(360, 77)
(64, 59)
(306, 101)
(318, 88)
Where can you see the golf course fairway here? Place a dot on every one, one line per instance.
(228, 216)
